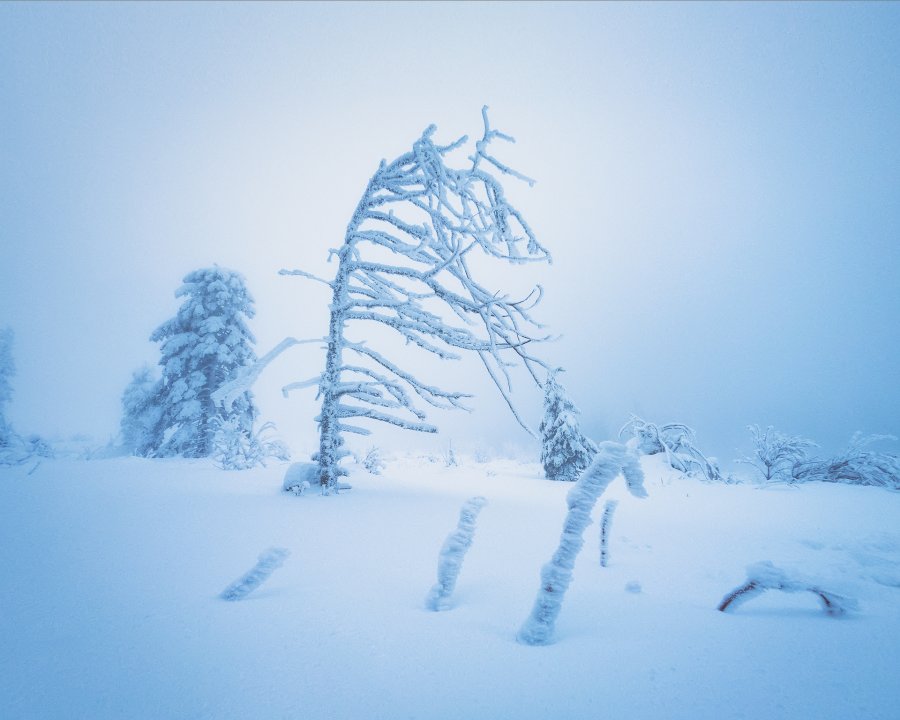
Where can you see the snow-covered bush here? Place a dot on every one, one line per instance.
(372, 461)
(267, 563)
(141, 413)
(414, 246)
(565, 451)
(764, 576)
(7, 371)
(453, 552)
(203, 347)
(611, 459)
(776, 454)
(677, 441)
(237, 448)
(857, 465)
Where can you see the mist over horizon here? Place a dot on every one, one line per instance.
(717, 184)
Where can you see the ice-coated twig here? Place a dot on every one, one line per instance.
(611, 459)
(605, 525)
(452, 554)
(764, 576)
(267, 563)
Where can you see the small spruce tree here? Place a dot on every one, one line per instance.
(203, 347)
(565, 451)
(141, 413)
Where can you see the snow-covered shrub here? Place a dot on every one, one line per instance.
(7, 371)
(408, 263)
(141, 413)
(453, 552)
(764, 576)
(857, 465)
(203, 347)
(611, 459)
(267, 563)
(450, 457)
(605, 528)
(775, 454)
(237, 448)
(565, 451)
(677, 441)
(300, 477)
(372, 461)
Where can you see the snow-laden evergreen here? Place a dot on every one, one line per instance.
(565, 451)
(764, 576)
(7, 371)
(141, 413)
(611, 459)
(203, 347)
(405, 265)
(453, 552)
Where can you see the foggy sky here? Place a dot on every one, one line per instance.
(717, 183)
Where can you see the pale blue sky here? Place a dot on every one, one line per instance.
(718, 184)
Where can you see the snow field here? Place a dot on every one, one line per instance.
(112, 568)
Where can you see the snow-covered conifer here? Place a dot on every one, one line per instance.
(7, 371)
(408, 263)
(453, 552)
(141, 413)
(203, 347)
(611, 459)
(565, 451)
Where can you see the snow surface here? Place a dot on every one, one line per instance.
(109, 603)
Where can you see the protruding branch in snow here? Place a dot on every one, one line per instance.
(764, 576)
(267, 563)
(605, 526)
(230, 391)
(611, 459)
(453, 553)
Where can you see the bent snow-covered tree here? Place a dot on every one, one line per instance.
(406, 264)
(203, 347)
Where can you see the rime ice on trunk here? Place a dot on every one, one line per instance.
(428, 219)
(605, 526)
(611, 459)
(453, 553)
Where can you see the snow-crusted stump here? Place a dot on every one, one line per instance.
(452, 554)
(556, 575)
(764, 576)
(267, 563)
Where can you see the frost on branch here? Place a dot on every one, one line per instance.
(453, 553)
(407, 264)
(565, 451)
(764, 576)
(776, 454)
(267, 563)
(857, 465)
(677, 441)
(611, 459)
